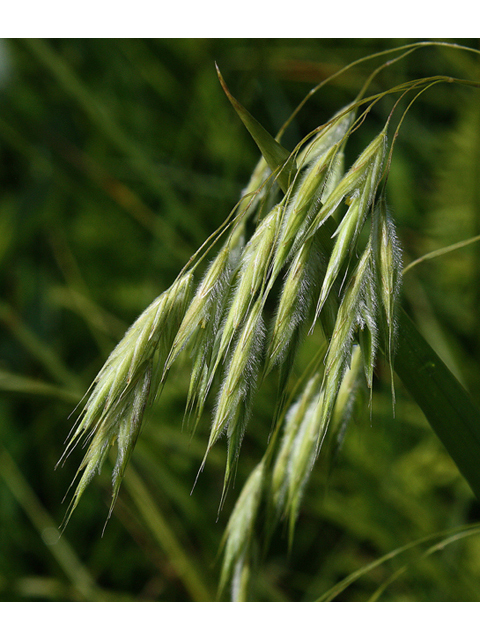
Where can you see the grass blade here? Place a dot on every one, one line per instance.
(445, 403)
(274, 153)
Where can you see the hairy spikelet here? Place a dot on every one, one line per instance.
(121, 390)
(205, 302)
(202, 342)
(359, 182)
(302, 457)
(240, 380)
(350, 318)
(295, 300)
(300, 208)
(388, 265)
(300, 413)
(129, 429)
(369, 329)
(239, 532)
(330, 134)
(349, 410)
(120, 372)
(343, 246)
(254, 265)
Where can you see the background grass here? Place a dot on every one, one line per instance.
(117, 159)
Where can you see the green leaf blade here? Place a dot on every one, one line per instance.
(276, 156)
(445, 403)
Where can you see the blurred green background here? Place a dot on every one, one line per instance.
(118, 158)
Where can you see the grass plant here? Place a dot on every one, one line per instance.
(297, 296)
(229, 308)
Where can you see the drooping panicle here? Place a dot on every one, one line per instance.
(295, 250)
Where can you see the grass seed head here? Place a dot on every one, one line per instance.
(208, 296)
(222, 324)
(302, 204)
(292, 424)
(349, 320)
(239, 531)
(241, 376)
(295, 300)
(253, 269)
(360, 179)
(120, 391)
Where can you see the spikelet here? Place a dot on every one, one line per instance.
(254, 265)
(300, 208)
(369, 329)
(295, 300)
(235, 394)
(350, 318)
(297, 414)
(332, 133)
(203, 305)
(388, 265)
(121, 390)
(303, 454)
(202, 348)
(350, 402)
(239, 532)
(359, 182)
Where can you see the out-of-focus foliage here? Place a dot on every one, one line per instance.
(118, 158)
